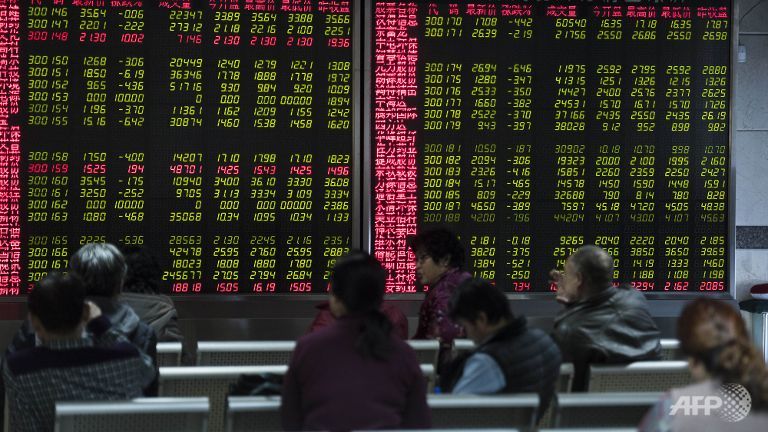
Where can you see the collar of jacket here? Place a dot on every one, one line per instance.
(449, 272)
(515, 327)
(594, 300)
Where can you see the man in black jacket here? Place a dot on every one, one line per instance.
(601, 323)
(510, 357)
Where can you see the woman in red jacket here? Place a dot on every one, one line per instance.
(439, 258)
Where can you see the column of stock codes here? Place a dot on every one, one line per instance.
(217, 134)
(532, 128)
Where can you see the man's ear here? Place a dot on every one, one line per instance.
(445, 261)
(580, 280)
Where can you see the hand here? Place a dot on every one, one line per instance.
(556, 277)
(93, 310)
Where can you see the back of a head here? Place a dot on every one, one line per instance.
(439, 243)
(143, 274)
(714, 333)
(102, 268)
(595, 266)
(478, 295)
(358, 281)
(58, 301)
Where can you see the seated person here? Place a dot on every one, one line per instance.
(101, 268)
(600, 323)
(355, 374)
(713, 336)
(141, 291)
(439, 257)
(325, 318)
(509, 356)
(102, 365)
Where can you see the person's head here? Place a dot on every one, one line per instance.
(714, 337)
(589, 270)
(57, 306)
(437, 250)
(357, 284)
(144, 273)
(357, 288)
(102, 268)
(479, 307)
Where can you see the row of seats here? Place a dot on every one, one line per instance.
(273, 356)
(214, 382)
(653, 377)
(254, 353)
(261, 414)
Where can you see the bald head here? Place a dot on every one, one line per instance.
(595, 266)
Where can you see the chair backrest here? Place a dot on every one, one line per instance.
(461, 346)
(632, 429)
(472, 411)
(244, 353)
(262, 413)
(169, 354)
(253, 414)
(563, 385)
(448, 430)
(565, 379)
(210, 381)
(603, 409)
(214, 382)
(143, 414)
(644, 376)
(426, 350)
(429, 374)
(670, 350)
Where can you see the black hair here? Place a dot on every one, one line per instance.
(595, 266)
(439, 243)
(144, 273)
(478, 295)
(357, 280)
(102, 268)
(58, 301)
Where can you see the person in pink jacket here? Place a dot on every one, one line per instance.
(439, 258)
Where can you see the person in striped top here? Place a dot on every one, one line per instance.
(81, 357)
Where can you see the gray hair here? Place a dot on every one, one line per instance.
(595, 266)
(102, 268)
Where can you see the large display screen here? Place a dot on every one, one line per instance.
(216, 133)
(532, 128)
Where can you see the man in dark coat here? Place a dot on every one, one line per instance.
(510, 357)
(601, 323)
